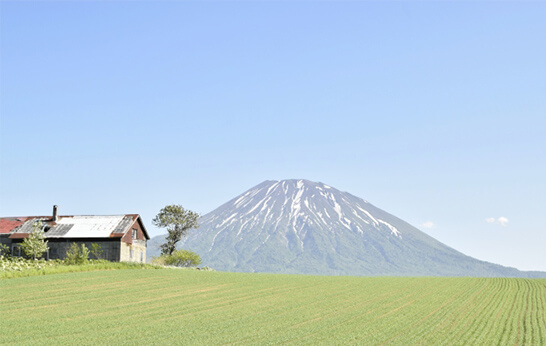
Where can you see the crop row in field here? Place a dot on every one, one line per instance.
(190, 307)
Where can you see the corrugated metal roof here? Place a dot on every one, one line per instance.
(28, 225)
(58, 231)
(90, 226)
(123, 225)
(77, 226)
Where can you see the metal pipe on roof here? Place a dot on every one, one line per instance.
(55, 213)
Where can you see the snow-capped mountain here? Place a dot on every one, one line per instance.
(299, 226)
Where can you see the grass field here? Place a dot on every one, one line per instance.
(191, 307)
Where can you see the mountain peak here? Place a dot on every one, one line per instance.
(305, 227)
(291, 182)
(304, 203)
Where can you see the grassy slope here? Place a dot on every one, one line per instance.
(192, 307)
(31, 268)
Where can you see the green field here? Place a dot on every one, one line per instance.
(192, 307)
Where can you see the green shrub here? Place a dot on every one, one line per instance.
(179, 258)
(19, 264)
(96, 250)
(77, 255)
(160, 261)
(4, 250)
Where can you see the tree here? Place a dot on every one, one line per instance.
(96, 250)
(35, 245)
(182, 258)
(177, 221)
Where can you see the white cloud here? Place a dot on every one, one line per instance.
(428, 224)
(501, 220)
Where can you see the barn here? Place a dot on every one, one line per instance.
(121, 237)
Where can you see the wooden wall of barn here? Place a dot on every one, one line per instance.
(110, 248)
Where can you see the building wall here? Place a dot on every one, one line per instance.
(128, 237)
(133, 245)
(4, 239)
(110, 248)
(134, 252)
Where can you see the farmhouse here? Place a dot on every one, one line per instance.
(121, 237)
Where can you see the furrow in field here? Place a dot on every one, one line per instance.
(535, 328)
(541, 310)
(420, 305)
(494, 325)
(425, 307)
(509, 329)
(485, 303)
(352, 327)
(321, 308)
(416, 329)
(460, 320)
(441, 327)
(520, 331)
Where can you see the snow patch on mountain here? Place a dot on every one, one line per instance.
(392, 228)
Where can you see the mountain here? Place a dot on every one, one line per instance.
(303, 227)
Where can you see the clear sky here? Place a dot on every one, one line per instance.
(432, 111)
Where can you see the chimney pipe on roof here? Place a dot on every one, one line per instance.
(55, 213)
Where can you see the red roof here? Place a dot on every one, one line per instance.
(7, 224)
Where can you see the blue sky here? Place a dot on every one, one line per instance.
(432, 111)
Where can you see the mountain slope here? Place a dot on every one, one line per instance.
(298, 226)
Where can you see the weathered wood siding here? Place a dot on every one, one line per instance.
(110, 248)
